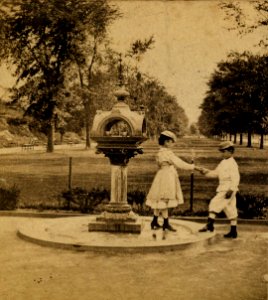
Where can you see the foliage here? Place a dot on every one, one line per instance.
(42, 39)
(83, 200)
(136, 198)
(16, 121)
(98, 76)
(236, 101)
(162, 110)
(247, 16)
(147, 94)
(9, 197)
(194, 129)
(252, 206)
(94, 200)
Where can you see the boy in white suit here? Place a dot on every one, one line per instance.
(225, 199)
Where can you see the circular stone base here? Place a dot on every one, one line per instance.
(72, 233)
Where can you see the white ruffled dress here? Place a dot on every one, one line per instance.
(165, 191)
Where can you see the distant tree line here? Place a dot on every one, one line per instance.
(237, 99)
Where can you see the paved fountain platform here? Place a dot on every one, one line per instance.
(72, 233)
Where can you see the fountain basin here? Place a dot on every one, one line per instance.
(72, 233)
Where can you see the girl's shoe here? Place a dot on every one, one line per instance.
(170, 228)
(167, 226)
(154, 223)
(155, 226)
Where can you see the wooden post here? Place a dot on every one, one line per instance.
(192, 186)
(192, 191)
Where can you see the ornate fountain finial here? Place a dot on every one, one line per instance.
(121, 93)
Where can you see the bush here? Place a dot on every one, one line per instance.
(249, 206)
(136, 198)
(9, 198)
(16, 121)
(252, 206)
(83, 200)
(96, 199)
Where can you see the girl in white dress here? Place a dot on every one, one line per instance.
(165, 191)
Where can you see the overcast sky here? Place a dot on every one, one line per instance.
(190, 38)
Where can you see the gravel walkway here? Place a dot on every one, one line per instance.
(225, 270)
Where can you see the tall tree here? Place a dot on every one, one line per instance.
(42, 39)
(237, 98)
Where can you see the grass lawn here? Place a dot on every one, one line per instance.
(42, 176)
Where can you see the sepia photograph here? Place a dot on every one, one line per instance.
(134, 149)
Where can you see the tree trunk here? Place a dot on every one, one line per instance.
(241, 139)
(235, 138)
(249, 139)
(50, 137)
(87, 136)
(87, 106)
(61, 137)
(262, 141)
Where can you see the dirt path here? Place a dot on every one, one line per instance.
(227, 270)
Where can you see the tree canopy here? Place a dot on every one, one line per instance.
(237, 99)
(62, 74)
(42, 39)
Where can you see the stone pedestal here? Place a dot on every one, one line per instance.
(118, 216)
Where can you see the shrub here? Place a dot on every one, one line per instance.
(249, 206)
(16, 121)
(136, 198)
(95, 200)
(83, 200)
(252, 206)
(9, 198)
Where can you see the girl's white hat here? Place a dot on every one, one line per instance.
(170, 134)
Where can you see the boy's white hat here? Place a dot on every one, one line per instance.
(170, 134)
(226, 145)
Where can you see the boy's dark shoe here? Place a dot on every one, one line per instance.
(208, 227)
(232, 234)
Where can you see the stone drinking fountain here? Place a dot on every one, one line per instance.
(118, 134)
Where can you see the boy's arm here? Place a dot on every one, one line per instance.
(207, 172)
(210, 173)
